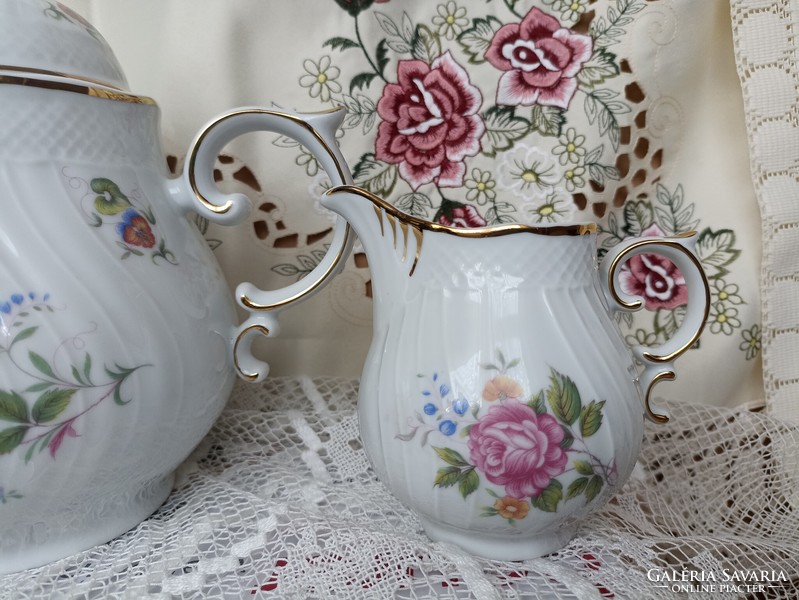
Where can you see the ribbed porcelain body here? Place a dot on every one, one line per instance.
(115, 323)
(498, 399)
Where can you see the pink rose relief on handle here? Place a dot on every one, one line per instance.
(655, 278)
(540, 59)
(430, 122)
(517, 448)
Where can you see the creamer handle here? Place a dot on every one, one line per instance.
(658, 361)
(197, 191)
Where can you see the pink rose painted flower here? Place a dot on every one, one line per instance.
(654, 278)
(455, 214)
(540, 59)
(430, 122)
(517, 448)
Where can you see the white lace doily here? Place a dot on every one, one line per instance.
(280, 502)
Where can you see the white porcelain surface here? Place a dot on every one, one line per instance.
(45, 35)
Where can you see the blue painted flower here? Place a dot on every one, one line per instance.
(460, 406)
(443, 389)
(447, 427)
(17, 298)
(5, 307)
(430, 408)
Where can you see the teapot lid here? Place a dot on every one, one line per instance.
(44, 37)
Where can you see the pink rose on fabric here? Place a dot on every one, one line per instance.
(455, 214)
(654, 278)
(518, 448)
(430, 122)
(540, 59)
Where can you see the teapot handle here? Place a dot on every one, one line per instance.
(198, 192)
(658, 361)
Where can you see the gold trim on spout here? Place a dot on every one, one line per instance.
(481, 232)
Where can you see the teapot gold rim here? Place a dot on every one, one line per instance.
(51, 80)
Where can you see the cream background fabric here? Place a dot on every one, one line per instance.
(199, 58)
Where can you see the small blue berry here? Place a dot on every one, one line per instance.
(447, 427)
(17, 298)
(443, 390)
(460, 406)
(5, 307)
(430, 408)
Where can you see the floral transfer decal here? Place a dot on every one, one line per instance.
(132, 219)
(526, 451)
(42, 415)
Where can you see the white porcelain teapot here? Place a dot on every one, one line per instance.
(118, 340)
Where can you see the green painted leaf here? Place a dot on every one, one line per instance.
(549, 499)
(563, 398)
(51, 404)
(638, 216)
(583, 467)
(599, 68)
(476, 40)
(38, 387)
(11, 438)
(340, 43)
(593, 487)
(568, 438)
(87, 367)
(537, 403)
(375, 175)
(492, 493)
(488, 511)
(716, 251)
(426, 45)
(591, 418)
(110, 200)
(41, 364)
(576, 487)
(547, 120)
(13, 407)
(451, 457)
(23, 335)
(469, 482)
(447, 476)
(503, 128)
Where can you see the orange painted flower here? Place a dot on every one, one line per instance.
(509, 507)
(501, 388)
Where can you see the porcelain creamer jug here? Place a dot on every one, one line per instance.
(498, 399)
(118, 333)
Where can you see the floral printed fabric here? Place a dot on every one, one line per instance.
(478, 112)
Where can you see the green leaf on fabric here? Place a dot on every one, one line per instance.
(375, 175)
(503, 128)
(476, 40)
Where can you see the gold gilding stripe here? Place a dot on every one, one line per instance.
(77, 88)
(418, 235)
(664, 376)
(247, 376)
(482, 232)
(619, 260)
(405, 239)
(47, 73)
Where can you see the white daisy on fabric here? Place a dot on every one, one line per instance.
(451, 20)
(529, 172)
(320, 78)
(557, 207)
